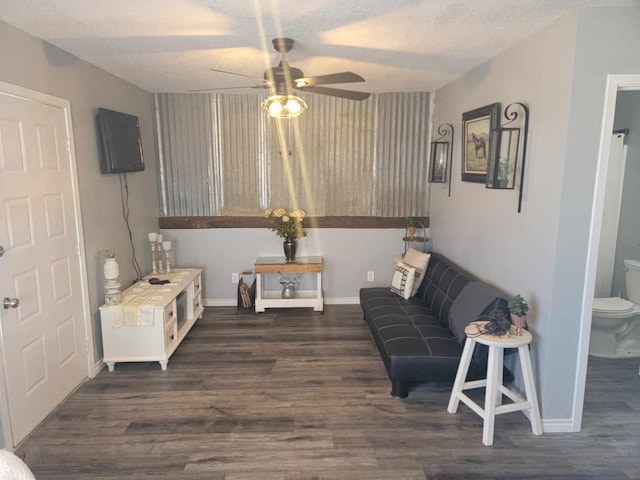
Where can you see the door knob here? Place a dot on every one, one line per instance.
(2, 250)
(10, 303)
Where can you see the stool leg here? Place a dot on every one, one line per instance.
(490, 395)
(530, 388)
(461, 375)
(499, 376)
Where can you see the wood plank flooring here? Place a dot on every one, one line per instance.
(293, 394)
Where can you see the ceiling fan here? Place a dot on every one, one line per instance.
(283, 79)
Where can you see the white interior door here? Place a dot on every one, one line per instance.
(44, 349)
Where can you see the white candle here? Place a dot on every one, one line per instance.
(153, 237)
(159, 238)
(166, 245)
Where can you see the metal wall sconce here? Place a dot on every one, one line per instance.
(510, 140)
(441, 150)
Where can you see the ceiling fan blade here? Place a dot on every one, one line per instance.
(336, 92)
(342, 77)
(260, 79)
(262, 86)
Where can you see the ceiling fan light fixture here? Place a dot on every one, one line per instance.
(284, 106)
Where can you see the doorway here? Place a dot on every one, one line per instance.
(44, 302)
(615, 83)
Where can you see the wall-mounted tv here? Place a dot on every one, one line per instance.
(119, 142)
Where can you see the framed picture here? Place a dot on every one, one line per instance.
(477, 148)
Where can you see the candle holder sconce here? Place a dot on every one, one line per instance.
(153, 240)
(441, 151)
(510, 141)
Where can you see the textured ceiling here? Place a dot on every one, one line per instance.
(396, 45)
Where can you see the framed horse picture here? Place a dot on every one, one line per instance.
(477, 127)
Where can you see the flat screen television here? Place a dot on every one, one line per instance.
(119, 142)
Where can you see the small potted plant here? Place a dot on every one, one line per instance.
(518, 307)
(412, 226)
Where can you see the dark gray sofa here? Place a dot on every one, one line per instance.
(421, 339)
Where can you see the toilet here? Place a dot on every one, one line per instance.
(615, 320)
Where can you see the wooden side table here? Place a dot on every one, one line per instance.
(494, 383)
(279, 265)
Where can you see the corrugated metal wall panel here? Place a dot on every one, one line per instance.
(351, 167)
(240, 139)
(402, 154)
(330, 167)
(339, 158)
(284, 172)
(185, 146)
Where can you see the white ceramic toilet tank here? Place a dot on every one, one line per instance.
(633, 280)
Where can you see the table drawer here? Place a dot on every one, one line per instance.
(197, 302)
(170, 335)
(170, 313)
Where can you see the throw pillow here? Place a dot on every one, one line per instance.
(402, 281)
(418, 260)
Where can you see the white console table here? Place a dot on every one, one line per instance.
(152, 320)
(278, 266)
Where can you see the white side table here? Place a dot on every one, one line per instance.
(493, 383)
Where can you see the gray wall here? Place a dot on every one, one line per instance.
(607, 43)
(628, 244)
(480, 228)
(542, 252)
(31, 63)
(348, 255)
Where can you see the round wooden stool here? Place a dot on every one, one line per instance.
(493, 383)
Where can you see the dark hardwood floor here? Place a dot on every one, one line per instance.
(292, 394)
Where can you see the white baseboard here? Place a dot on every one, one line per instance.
(554, 425)
(232, 302)
(219, 302)
(558, 425)
(342, 301)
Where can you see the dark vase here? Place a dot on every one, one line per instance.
(290, 249)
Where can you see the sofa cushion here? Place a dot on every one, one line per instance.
(442, 283)
(406, 334)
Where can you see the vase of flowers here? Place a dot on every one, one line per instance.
(288, 225)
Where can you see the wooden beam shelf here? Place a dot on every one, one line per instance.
(261, 222)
